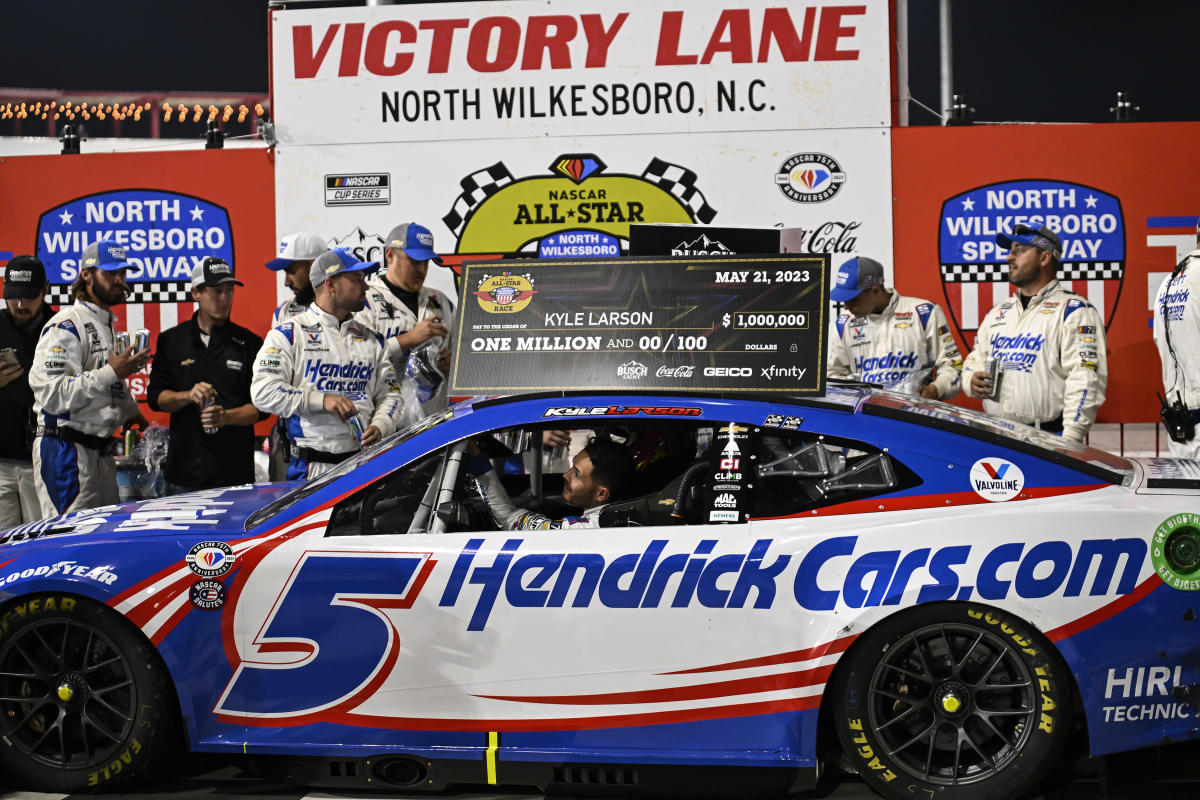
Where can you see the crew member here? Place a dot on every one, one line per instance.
(1177, 334)
(599, 475)
(21, 323)
(413, 318)
(80, 393)
(882, 337)
(1049, 343)
(296, 254)
(324, 372)
(201, 377)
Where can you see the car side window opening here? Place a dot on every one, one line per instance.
(685, 473)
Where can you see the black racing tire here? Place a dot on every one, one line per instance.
(85, 701)
(952, 700)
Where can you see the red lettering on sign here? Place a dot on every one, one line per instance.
(508, 43)
(538, 37)
(376, 55)
(598, 38)
(443, 40)
(305, 61)
(734, 24)
(668, 41)
(351, 49)
(778, 26)
(832, 30)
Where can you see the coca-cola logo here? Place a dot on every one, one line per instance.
(682, 371)
(829, 237)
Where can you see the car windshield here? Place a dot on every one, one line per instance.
(347, 466)
(932, 412)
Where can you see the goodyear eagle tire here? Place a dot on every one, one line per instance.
(952, 700)
(85, 701)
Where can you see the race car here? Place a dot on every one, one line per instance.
(934, 598)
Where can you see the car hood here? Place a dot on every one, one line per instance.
(217, 512)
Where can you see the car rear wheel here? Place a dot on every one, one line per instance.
(85, 701)
(953, 700)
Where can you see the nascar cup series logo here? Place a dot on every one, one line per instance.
(810, 177)
(579, 210)
(504, 294)
(974, 271)
(996, 480)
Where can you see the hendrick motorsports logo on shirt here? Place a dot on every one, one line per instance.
(358, 190)
(996, 480)
(810, 177)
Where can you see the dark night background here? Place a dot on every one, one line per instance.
(1018, 60)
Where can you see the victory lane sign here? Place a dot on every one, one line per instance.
(745, 323)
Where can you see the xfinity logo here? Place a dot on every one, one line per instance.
(728, 372)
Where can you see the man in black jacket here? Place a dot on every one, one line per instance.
(201, 377)
(21, 322)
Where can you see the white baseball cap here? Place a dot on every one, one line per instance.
(298, 247)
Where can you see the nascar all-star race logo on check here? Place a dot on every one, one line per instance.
(579, 210)
(505, 293)
(973, 267)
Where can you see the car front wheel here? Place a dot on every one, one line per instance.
(952, 700)
(85, 701)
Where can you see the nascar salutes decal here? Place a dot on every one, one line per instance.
(996, 480)
(498, 211)
(210, 559)
(207, 594)
(1176, 552)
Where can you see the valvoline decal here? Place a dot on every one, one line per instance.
(831, 573)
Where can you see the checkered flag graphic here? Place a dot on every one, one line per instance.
(681, 183)
(142, 292)
(477, 187)
(1070, 271)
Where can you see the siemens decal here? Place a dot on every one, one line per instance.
(832, 572)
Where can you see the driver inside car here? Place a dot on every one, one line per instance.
(599, 475)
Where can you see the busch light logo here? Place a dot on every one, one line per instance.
(974, 268)
(164, 234)
(579, 244)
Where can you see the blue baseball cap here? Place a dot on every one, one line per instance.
(414, 239)
(104, 254)
(337, 261)
(855, 276)
(1041, 237)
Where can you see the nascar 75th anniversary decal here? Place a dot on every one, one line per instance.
(738, 323)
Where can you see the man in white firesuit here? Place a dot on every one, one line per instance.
(296, 254)
(599, 475)
(414, 319)
(883, 337)
(1177, 334)
(324, 372)
(1049, 342)
(80, 395)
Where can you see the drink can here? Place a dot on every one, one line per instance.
(209, 429)
(122, 341)
(356, 428)
(995, 371)
(142, 338)
(130, 441)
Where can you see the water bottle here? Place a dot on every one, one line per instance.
(209, 429)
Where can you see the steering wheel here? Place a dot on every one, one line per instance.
(691, 476)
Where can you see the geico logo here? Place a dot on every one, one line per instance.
(728, 372)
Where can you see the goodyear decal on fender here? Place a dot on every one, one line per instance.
(579, 204)
(832, 573)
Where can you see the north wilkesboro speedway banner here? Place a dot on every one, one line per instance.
(731, 324)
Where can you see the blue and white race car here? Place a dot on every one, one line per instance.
(936, 599)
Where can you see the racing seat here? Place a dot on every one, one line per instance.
(659, 508)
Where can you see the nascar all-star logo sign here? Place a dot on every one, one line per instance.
(504, 294)
(579, 209)
(974, 269)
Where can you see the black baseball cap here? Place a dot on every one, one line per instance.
(213, 271)
(24, 277)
